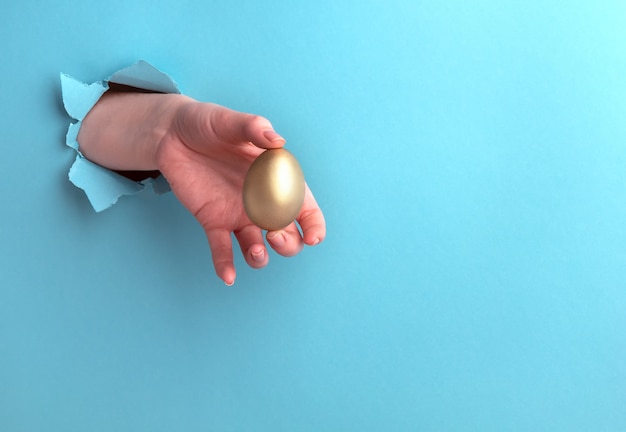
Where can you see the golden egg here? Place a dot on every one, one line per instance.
(273, 190)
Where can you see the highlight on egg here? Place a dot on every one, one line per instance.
(273, 190)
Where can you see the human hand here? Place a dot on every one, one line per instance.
(205, 155)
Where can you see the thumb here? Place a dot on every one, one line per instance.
(236, 127)
(200, 123)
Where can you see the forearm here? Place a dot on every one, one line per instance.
(123, 130)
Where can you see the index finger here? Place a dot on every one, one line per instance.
(311, 220)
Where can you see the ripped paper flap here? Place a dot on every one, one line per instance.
(102, 186)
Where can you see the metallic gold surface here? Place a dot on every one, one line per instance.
(273, 190)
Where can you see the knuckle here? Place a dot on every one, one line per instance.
(254, 123)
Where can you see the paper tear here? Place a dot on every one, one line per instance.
(102, 186)
(78, 97)
(145, 76)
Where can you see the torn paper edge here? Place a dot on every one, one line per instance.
(102, 186)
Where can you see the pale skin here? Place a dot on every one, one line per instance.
(204, 151)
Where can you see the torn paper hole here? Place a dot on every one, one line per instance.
(102, 186)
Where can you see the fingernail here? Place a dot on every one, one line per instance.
(276, 238)
(231, 283)
(273, 136)
(316, 240)
(258, 256)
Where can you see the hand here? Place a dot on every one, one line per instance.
(205, 156)
(204, 151)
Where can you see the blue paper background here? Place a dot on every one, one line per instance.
(469, 156)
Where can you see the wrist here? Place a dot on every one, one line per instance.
(165, 129)
(123, 131)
